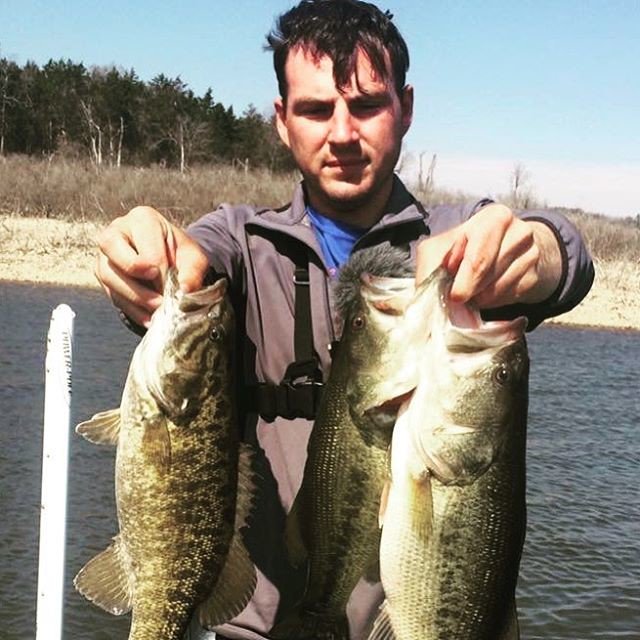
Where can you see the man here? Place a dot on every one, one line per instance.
(343, 110)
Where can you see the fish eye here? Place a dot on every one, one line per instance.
(358, 322)
(216, 334)
(501, 374)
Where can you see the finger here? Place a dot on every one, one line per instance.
(135, 298)
(485, 234)
(475, 269)
(132, 311)
(514, 270)
(149, 235)
(115, 245)
(456, 254)
(508, 287)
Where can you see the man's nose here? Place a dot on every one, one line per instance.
(344, 127)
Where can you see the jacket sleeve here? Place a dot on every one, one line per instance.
(577, 267)
(221, 236)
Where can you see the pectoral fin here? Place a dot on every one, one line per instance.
(421, 501)
(105, 580)
(102, 428)
(382, 629)
(156, 444)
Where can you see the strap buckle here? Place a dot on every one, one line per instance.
(301, 276)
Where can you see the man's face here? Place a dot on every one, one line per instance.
(346, 143)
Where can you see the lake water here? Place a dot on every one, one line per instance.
(580, 574)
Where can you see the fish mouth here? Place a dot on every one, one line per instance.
(400, 310)
(465, 331)
(192, 302)
(203, 299)
(389, 409)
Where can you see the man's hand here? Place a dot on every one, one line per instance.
(497, 259)
(136, 251)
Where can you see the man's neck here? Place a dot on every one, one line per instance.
(357, 214)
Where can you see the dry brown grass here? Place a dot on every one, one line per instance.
(608, 238)
(51, 211)
(76, 191)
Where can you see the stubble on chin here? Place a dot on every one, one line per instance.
(360, 206)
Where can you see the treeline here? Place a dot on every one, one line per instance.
(112, 117)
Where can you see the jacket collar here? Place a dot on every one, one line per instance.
(401, 207)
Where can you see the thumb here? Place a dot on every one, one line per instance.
(190, 261)
(442, 250)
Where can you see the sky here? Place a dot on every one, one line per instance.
(551, 85)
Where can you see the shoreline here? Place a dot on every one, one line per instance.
(44, 251)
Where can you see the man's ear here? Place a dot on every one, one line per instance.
(281, 120)
(406, 104)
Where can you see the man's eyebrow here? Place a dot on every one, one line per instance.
(308, 100)
(305, 103)
(373, 96)
(378, 96)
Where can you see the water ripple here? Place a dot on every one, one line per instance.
(580, 573)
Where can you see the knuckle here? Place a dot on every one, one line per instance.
(535, 254)
(106, 237)
(478, 263)
(498, 213)
(141, 212)
(505, 216)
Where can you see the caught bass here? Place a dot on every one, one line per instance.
(177, 470)
(454, 513)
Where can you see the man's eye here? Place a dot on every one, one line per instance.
(367, 107)
(316, 112)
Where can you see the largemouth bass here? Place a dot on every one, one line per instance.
(454, 515)
(176, 476)
(333, 523)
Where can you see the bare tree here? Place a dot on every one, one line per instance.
(95, 133)
(6, 100)
(521, 192)
(426, 184)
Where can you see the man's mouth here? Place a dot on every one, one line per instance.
(346, 163)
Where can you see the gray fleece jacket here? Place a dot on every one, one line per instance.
(253, 248)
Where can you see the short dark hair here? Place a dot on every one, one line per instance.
(337, 29)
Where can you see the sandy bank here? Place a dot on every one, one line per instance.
(49, 251)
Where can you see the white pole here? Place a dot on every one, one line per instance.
(55, 462)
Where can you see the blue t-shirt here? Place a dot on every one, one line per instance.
(336, 239)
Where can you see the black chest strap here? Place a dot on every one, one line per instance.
(298, 394)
